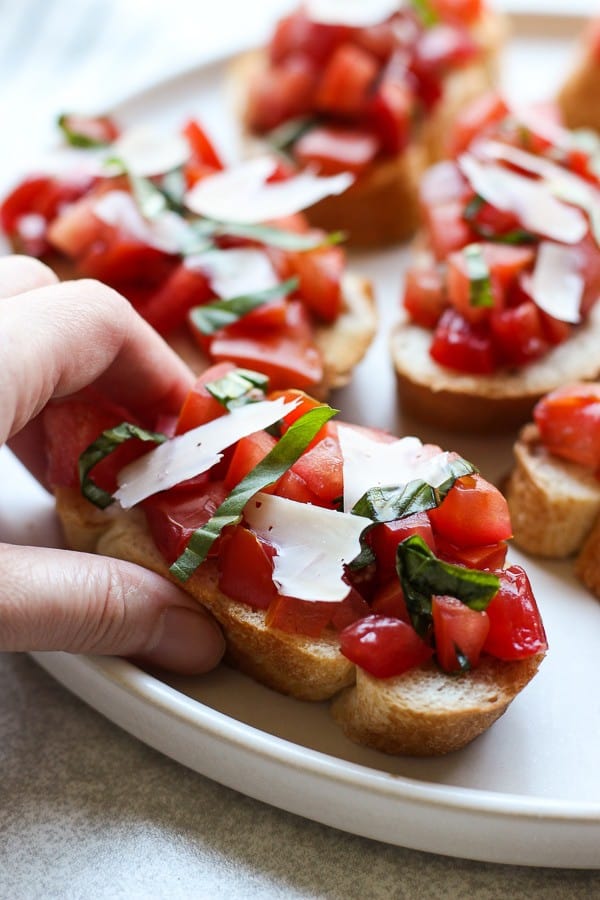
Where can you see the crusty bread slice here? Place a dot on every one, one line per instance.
(587, 564)
(553, 503)
(427, 713)
(382, 206)
(486, 403)
(421, 713)
(578, 99)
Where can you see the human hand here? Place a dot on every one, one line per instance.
(56, 338)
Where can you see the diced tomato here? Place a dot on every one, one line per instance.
(309, 617)
(516, 628)
(384, 647)
(488, 557)
(490, 222)
(346, 81)
(335, 148)
(126, 261)
(458, 630)
(201, 146)
(200, 406)
(249, 452)
(424, 295)
(296, 33)
(76, 228)
(389, 601)
(293, 487)
(446, 228)
(390, 111)
(169, 306)
(92, 129)
(246, 568)
(504, 262)
(349, 610)
(587, 256)
(385, 537)
(43, 195)
(554, 330)
(569, 423)
(174, 515)
(380, 39)
(472, 514)
(287, 356)
(320, 273)
(463, 12)
(321, 467)
(442, 47)
(281, 92)
(473, 119)
(518, 333)
(458, 344)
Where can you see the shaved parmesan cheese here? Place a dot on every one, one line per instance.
(235, 272)
(166, 231)
(357, 13)
(312, 545)
(368, 463)
(195, 451)
(530, 199)
(242, 194)
(146, 151)
(556, 285)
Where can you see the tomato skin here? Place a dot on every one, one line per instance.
(489, 109)
(201, 147)
(246, 568)
(249, 452)
(472, 514)
(569, 423)
(461, 345)
(174, 515)
(334, 149)
(169, 306)
(518, 333)
(516, 628)
(442, 47)
(389, 601)
(461, 12)
(297, 34)
(488, 557)
(281, 92)
(321, 467)
(345, 83)
(446, 228)
(384, 647)
(200, 406)
(125, 262)
(505, 264)
(456, 626)
(385, 537)
(320, 273)
(41, 198)
(424, 296)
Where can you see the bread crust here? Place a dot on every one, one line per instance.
(578, 97)
(382, 206)
(487, 403)
(401, 715)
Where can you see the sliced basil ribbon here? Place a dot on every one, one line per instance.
(77, 138)
(422, 575)
(480, 283)
(285, 136)
(108, 441)
(278, 237)
(211, 317)
(283, 455)
(237, 387)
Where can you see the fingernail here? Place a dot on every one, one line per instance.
(190, 642)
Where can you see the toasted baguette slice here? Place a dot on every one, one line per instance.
(553, 503)
(485, 403)
(421, 713)
(381, 207)
(587, 564)
(578, 97)
(427, 713)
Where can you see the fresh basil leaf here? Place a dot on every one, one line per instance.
(422, 575)
(285, 136)
(385, 504)
(238, 386)
(480, 284)
(77, 138)
(283, 455)
(278, 237)
(425, 12)
(213, 316)
(149, 199)
(108, 441)
(174, 187)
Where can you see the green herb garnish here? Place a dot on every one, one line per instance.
(213, 316)
(425, 12)
(515, 236)
(108, 441)
(238, 387)
(422, 575)
(480, 283)
(76, 137)
(277, 237)
(283, 455)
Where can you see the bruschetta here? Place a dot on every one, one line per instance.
(553, 491)
(341, 562)
(219, 260)
(578, 97)
(499, 303)
(369, 89)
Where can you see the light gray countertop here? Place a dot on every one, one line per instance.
(88, 811)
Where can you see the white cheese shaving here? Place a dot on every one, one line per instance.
(368, 463)
(556, 285)
(357, 13)
(312, 545)
(242, 193)
(195, 451)
(166, 231)
(235, 272)
(530, 199)
(147, 151)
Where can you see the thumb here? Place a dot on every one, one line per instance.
(81, 603)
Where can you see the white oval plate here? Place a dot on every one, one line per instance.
(527, 792)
